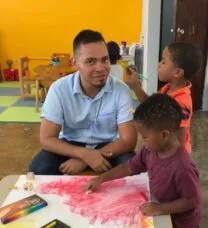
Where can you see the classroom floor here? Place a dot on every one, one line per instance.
(13, 108)
(20, 142)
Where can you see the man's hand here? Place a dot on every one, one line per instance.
(72, 166)
(106, 153)
(96, 160)
(151, 209)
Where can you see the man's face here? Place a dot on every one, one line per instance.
(93, 63)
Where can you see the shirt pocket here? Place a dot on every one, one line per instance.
(79, 122)
(107, 121)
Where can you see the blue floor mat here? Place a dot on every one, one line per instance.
(9, 91)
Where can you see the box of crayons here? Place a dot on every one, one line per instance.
(55, 224)
(21, 208)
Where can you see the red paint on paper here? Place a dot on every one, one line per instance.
(114, 201)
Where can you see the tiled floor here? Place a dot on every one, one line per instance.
(12, 108)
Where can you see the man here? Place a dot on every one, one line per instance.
(86, 117)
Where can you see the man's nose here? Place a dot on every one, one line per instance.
(100, 66)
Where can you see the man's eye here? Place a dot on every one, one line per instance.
(91, 61)
(106, 60)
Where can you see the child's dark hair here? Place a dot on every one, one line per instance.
(114, 52)
(86, 37)
(159, 112)
(186, 56)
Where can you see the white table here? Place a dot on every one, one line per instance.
(6, 183)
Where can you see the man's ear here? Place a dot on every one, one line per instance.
(179, 73)
(73, 61)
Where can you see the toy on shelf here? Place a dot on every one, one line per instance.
(10, 74)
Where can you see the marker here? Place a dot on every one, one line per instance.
(139, 75)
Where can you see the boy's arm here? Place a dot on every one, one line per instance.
(141, 95)
(118, 172)
(173, 207)
(188, 190)
(135, 84)
(136, 164)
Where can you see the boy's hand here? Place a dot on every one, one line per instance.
(151, 209)
(132, 78)
(93, 184)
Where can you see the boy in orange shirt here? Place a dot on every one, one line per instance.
(180, 61)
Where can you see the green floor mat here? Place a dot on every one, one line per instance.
(20, 114)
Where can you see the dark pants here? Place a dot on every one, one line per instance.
(47, 163)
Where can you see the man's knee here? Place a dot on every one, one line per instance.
(43, 169)
(46, 163)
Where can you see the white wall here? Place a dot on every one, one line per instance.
(205, 94)
(151, 32)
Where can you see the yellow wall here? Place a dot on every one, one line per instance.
(38, 28)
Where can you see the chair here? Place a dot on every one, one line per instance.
(46, 75)
(27, 77)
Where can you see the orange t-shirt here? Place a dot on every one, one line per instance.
(183, 97)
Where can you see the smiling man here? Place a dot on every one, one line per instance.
(86, 117)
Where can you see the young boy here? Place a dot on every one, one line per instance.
(174, 180)
(180, 61)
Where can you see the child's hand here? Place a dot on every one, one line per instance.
(93, 184)
(151, 209)
(132, 78)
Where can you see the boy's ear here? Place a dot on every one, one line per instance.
(179, 73)
(165, 134)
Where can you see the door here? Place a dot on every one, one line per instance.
(191, 25)
(187, 21)
(167, 24)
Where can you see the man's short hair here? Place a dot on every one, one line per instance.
(86, 37)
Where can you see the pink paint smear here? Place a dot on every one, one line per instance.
(114, 201)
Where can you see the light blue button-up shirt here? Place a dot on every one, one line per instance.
(84, 119)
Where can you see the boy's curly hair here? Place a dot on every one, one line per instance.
(159, 112)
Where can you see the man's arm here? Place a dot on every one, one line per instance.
(126, 142)
(49, 140)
